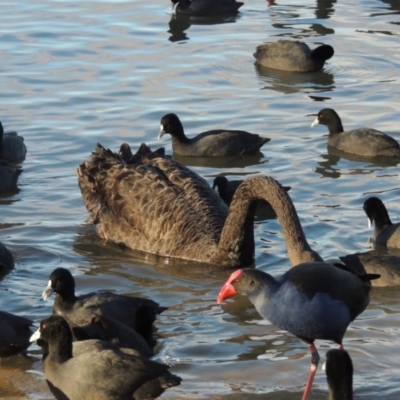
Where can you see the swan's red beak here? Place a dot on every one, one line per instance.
(228, 290)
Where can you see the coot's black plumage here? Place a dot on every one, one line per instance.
(12, 146)
(293, 56)
(339, 374)
(8, 177)
(386, 233)
(214, 143)
(206, 7)
(6, 260)
(96, 370)
(365, 142)
(374, 262)
(103, 312)
(15, 332)
(108, 329)
(227, 188)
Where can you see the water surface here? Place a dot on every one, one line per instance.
(77, 73)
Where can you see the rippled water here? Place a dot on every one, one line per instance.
(77, 73)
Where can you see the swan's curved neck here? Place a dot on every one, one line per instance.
(238, 230)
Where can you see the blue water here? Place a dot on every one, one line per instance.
(77, 73)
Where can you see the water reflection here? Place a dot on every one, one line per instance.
(14, 373)
(109, 58)
(8, 198)
(222, 162)
(313, 30)
(370, 161)
(177, 27)
(323, 10)
(329, 165)
(179, 24)
(394, 5)
(320, 30)
(293, 82)
(319, 98)
(326, 168)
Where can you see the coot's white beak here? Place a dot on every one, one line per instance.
(47, 292)
(35, 336)
(175, 7)
(316, 122)
(369, 224)
(161, 134)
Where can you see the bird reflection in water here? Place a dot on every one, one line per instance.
(179, 24)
